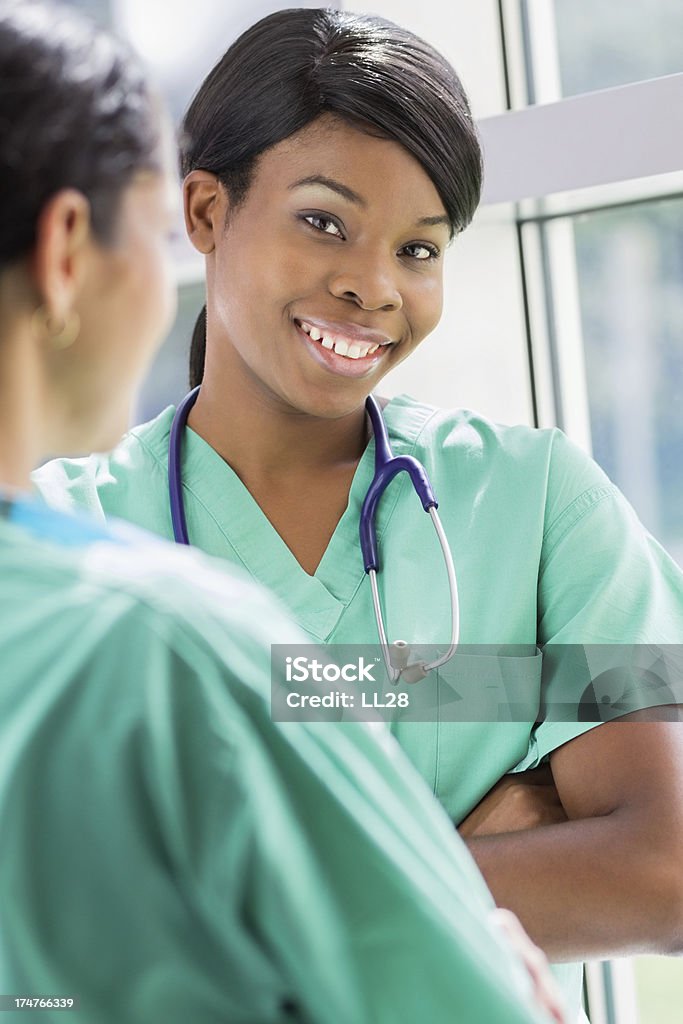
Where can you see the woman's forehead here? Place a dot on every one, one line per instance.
(334, 149)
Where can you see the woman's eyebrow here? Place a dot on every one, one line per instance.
(354, 197)
(333, 185)
(440, 218)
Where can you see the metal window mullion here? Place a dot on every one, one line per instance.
(543, 371)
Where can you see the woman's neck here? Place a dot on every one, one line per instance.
(259, 436)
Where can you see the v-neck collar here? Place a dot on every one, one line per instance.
(317, 602)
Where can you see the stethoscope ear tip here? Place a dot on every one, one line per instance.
(399, 654)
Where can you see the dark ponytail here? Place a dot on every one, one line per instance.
(198, 350)
(293, 66)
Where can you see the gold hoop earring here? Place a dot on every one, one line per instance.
(61, 334)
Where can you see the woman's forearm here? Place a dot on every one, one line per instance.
(590, 888)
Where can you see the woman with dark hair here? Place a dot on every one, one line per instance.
(168, 852)
(329, 160)
(299, 68)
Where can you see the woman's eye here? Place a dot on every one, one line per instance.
(420, 251)
(322, 223)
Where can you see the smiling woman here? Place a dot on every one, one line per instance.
(329, 160)
(319, 239)
(364, 93)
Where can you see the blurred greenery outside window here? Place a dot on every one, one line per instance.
(602, 43)
(98, 10)
(659, 989)
(630, 271)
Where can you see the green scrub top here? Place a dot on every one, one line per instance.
(546, 549)
(169, 853)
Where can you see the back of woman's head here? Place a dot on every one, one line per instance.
(75, 112)
(295, 65)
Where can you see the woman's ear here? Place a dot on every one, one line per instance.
(62, 249)
(204, 207)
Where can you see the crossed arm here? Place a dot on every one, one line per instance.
(589, 854)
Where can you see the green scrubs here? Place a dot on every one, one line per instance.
(169, 853)
(546, 549)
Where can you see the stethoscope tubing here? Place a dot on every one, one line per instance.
(387, 466)
(175, 467)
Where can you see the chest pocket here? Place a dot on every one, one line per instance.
(475, 721)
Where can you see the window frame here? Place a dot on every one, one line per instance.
(592, 166)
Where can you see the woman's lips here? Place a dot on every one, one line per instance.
(334, 334)
(343, 365)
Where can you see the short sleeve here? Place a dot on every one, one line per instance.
(608, 593)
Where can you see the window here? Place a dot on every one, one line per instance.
(596, 193)
(603, 44)
(630, 284)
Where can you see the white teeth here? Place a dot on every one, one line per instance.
(349, 349)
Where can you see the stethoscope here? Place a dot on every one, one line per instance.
(387, 466)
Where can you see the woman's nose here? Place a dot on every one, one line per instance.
(370, 282)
